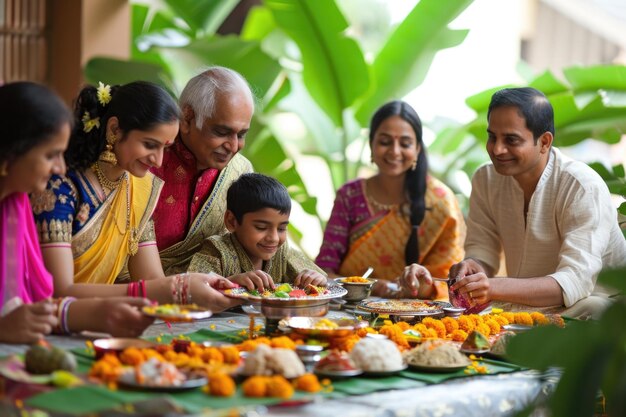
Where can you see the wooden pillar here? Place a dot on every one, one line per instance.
(81, 30)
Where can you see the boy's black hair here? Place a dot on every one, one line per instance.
(253, 192)
(531, 104)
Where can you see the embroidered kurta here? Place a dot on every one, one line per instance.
(192, 204)
(570, 231)
(225, 256)
(359, 233)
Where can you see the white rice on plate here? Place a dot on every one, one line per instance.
(376, 355)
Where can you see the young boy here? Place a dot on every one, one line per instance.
(255, 254)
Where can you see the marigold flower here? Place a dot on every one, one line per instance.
(308, 383)
(459, 335)
(451, 324)
(255, 386)
(494, 326)
(278, 386)
(509, 316)
(230, 353)
(466, 324)
(523, 318)
(221, 385)
(539, 319)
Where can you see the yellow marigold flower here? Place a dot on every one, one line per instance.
(283, 342)
(501, 319)
(420, 327)
(255, 386)
(484, 329)
(466, 324)
(523, 318)
(278, 386)
(509, 316)
(221, 385)
(104, 93)
(451, 324)
(230, 353)
(430, 333)
(212, 355)
(459, 335)
(556, 319)
(539, 319)
(403, 325)
(308, 383)
(132, 356)
(438, 327)
(212, 327)
(494, 326)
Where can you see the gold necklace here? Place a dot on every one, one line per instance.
(106, 184)
(133, 237)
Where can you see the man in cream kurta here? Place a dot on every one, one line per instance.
(551, 216)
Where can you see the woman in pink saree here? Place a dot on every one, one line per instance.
(35, 131)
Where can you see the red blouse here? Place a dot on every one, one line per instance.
(183, 195)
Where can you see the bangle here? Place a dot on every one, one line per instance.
(63, 307)
(182, 289)
(131, 290)
(143, 292)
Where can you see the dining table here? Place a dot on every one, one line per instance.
(504, 391)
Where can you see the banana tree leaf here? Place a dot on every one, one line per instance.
(115, 71)
(614, 279)
(480, 102)
(334, 69)
(402, 63)
(246, 57)
(259, 23)
(548, 84)
(268, 156)
(143, 22)
(604, 77)
(204, 17)
(324, 136)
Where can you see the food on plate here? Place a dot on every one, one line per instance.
(167, 309)
(401, 306)
(265, 360)
(356, 280)
(476, 342)
(282, 291)
(326, 324)
(376, 355)
(336, 361)
(153, 373)
(436, 353)
(42, 358)
(499, 346)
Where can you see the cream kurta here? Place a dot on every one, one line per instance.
(571, 231)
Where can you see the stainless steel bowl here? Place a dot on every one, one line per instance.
(276, 309)
(356, 291)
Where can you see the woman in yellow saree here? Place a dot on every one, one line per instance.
(95, 222)
(399, 217)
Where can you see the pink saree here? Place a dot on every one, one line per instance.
(22, 272)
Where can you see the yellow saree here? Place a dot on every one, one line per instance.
(379, 241)
(101, 248)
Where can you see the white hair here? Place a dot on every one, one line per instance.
(201, 91)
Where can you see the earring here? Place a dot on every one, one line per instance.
(4, 171)
(414, 165)
(107, 155)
